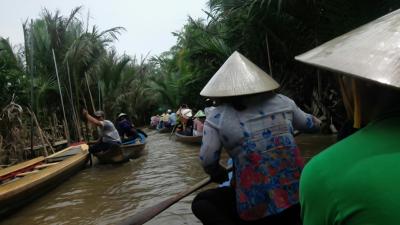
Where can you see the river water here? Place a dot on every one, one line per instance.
(105, 194)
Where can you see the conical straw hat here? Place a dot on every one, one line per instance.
(238, 76)
(200, 113)
(371, 51)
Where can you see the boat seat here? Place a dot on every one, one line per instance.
(11, 171)
(27, 173)
(45, 165)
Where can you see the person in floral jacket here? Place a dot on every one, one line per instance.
(255, 126)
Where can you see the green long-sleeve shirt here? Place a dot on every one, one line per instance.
(356, 181)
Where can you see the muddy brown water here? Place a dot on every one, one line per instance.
(105, 194)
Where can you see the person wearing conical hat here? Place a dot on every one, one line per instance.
(255, 126)
(198, 123)
(356, 181)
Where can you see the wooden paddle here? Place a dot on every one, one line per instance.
(149, 213)
(173, 129)
(152, 211)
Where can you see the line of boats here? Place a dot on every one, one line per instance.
(23, 182)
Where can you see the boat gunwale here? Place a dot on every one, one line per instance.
(188, 139)
(21, 166)
(127, 152)
(11, 189)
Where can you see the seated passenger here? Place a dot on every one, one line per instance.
(166, 119)
(172, 118)
(161, 122)
(125, 128)
(198, 123)
(154, 120)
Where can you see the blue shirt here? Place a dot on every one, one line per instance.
(172, 119)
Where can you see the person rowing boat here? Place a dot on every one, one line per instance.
(108, 135)
(198, 123)
(255, 126)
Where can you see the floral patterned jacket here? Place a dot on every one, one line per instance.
(266, 158)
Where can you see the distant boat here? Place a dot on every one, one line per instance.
(123, 153)
(23, 182)
(188, 139)
(165, 130)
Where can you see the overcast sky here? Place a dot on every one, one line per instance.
(148, 23)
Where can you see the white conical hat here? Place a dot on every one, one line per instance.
(238, 76)
(371, 51)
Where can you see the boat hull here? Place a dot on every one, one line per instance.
(122, 154)
(188, 139)
(18, 193)
(165, 130)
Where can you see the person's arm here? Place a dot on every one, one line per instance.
(91, 119)
(303, 121)
(133, 130)
(210, 153)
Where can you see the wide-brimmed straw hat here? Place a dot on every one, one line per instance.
(369, 52)
(238, 76)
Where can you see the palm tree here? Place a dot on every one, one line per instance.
(78, 51)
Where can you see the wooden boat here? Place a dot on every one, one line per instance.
(165, 130)
(121, 154)
(188, 139)
(23, 182)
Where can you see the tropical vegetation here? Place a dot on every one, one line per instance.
(87, 72)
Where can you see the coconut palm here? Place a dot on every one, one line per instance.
(78, 51)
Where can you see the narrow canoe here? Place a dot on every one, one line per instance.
(188, 139)
(122, 154)
(23, 182)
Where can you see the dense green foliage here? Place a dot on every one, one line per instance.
(94, 76)
(12, 75)
(91, 73)
(270, 33)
